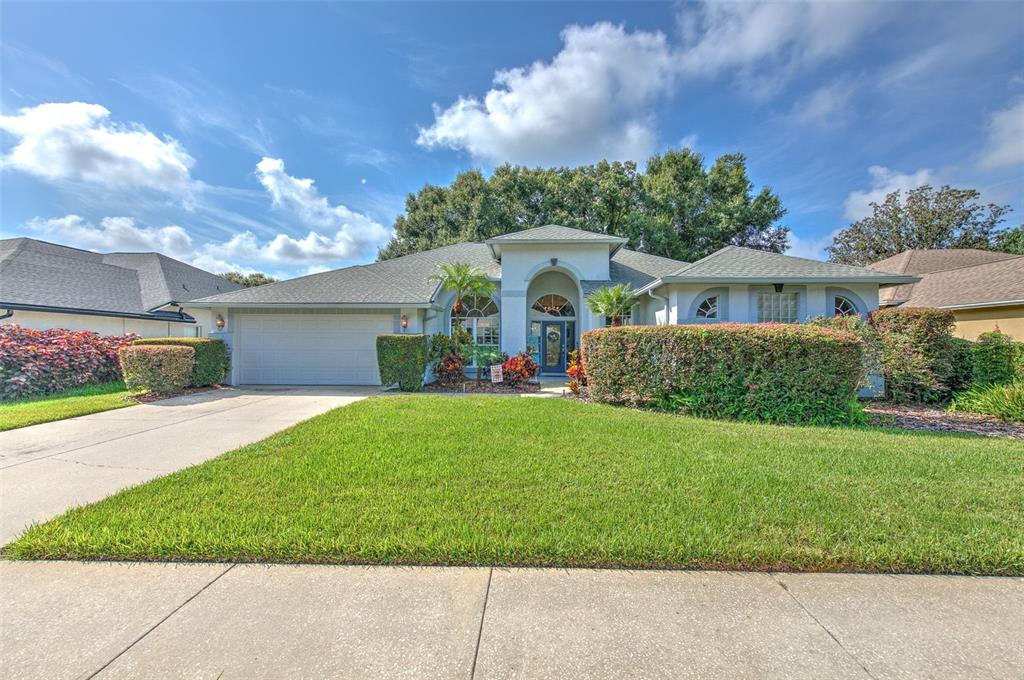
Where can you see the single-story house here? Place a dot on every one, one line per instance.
(45, 285)
(982, 288)
(322, 328)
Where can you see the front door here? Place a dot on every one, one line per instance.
(553, 347)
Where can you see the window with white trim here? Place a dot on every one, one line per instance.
(195, 331)
(843, 306)
(778, 307)
(481, 318)
(708, 308)
(627, 318)
(554, 305)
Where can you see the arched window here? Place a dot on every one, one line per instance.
(708, 309)
(554, 305)
(479, 316)
(843, 306)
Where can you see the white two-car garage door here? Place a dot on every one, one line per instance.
(309, 349)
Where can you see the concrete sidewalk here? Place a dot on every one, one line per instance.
(47, 469)
(115, 620)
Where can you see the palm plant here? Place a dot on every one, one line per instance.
(613, 302)
(464, 280)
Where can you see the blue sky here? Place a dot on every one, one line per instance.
(284, 137)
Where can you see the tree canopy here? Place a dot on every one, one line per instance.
(677, 207)
(248, 280)
(947, 218)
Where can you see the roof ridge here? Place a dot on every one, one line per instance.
(1012, 256)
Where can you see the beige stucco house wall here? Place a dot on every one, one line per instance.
(972, 322)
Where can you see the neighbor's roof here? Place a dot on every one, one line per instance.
(958, 277)
(734, 264)
(406, 280)
(36, 274)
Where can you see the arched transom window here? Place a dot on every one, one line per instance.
(843, 306)
(708, 309)
(554, 305)
(479, 316)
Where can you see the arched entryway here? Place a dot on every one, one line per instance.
(552, 317)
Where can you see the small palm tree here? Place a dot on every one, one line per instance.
(464, 280)
(613, 302)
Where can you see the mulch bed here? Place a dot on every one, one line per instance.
(148, 397)
(937, 419)
(483, 387)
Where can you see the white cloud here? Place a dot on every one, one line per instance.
(349, 234)
(827, 106)
(591, 101)
(811, 248)
(1005, 144)
(768, 42)
(76, 141)
(689, 142)
(884, 181)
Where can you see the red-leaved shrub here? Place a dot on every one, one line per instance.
(42, 362)
(576, 372)
(451, 369)
(517, 369)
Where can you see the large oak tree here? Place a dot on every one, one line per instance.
(677, 207)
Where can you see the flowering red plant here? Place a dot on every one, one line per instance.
(41, 362)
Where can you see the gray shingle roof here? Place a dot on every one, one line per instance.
(746, 265)
(37, 273)
(556, 233)
(406, 280)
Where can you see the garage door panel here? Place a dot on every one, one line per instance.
(310, 349)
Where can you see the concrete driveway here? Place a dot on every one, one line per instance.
(49, 468)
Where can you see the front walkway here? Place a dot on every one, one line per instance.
(46, 469)
(116, 620)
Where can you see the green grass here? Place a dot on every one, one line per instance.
(78, 401)
(485, 480)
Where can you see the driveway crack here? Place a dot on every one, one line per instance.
(823, 627)
(158, 623)
(98, 465)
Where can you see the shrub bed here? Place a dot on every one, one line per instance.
(1005, 402)
(161, 369)
(211, 358)
(36, 362)
(769, 372)
(402, 359)
(916, 351)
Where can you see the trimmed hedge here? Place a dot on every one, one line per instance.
(782, 373)
(158, 369)
(402, 359)
(36, 362)
(994, 358)
(211, 361)
(916, 352)
(963, 365)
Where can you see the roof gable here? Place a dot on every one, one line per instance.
(554, 233)
(926, 261)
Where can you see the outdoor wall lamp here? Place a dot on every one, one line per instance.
(778, 287)
(554, 262)
(219, 322)
(404, 322)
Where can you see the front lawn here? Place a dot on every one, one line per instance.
(78, 401)
(485, 480)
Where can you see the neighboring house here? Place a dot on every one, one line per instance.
(45, 285)
(321, 329)
(982, 288)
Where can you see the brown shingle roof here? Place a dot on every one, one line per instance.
(954, 277)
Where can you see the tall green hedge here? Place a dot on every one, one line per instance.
(994, 359)
(161, 370)
(402, 359)
(769, 372)
(917, 352)
(211, 364)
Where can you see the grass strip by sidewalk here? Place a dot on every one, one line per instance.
(483, 480)
(78, 401)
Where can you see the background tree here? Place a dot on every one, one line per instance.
(676, 207)
(1010, 241)
(947, 218)
(248, 280)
